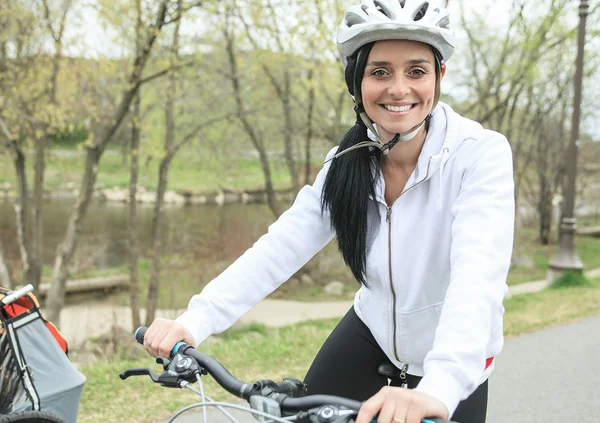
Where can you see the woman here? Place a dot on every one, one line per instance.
(421, 202)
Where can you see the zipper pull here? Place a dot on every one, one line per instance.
(403, 376)
(388, 217)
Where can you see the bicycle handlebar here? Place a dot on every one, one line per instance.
(244, 390)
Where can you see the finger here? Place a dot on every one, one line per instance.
(158, 342)
(371, 407)
(175, 333)
(388, 411)
(416, 411)
(151, 334)
(400, 396)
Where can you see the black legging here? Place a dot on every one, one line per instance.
(347, 365)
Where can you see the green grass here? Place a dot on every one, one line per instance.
(526, 244)
(188, 172)
(255, 352)
(571, 279)
(556, 305)
(182, 278)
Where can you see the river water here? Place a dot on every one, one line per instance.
(205, 232)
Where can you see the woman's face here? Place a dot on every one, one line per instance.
(398, 86)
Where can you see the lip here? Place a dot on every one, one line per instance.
(397, 104)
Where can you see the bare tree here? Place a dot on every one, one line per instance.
(281, 87)
(134, 294)
(163, 175)
(94, 152)
(504, 71)
(257, 142)
(6, 278)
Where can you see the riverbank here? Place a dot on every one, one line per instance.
(192, 176)
(184, 198)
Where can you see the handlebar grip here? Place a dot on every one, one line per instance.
(141, 332)
(15, 295)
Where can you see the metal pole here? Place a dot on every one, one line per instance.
(567, 258)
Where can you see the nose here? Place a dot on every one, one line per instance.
(399, 86)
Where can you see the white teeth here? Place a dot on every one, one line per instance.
(398, 108)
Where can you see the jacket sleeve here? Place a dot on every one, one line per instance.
(291, 242)
(482, 241)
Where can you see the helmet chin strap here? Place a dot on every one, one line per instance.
(399, 137)
(383, 147)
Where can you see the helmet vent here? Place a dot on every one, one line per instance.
(353, 19)
(384, 9)
(444, 22)
(402, 2)
(421, 12)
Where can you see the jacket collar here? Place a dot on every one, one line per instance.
(441, 142)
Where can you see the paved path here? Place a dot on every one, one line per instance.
(548, 376)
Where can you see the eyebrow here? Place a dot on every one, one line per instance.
(410, 62)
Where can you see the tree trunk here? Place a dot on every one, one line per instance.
(6, 279)
(309, 127)
(134, 290)
(289, 132)
(545, 212)
(134, 294)
(284, 95)
(124, 149)
(37, 227)
(65, 251)
(22, 202)
(22, 213)
(153, 288)
(271, 198)
(258, 145)
(163, 177)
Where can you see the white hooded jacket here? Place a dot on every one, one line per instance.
(437, 260)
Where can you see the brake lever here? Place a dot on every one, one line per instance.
(139, 372)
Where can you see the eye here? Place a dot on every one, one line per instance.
(379, 72)
(418, 72)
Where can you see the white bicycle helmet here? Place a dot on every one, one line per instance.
(415, 20)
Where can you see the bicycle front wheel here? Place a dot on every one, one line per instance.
(30, 417)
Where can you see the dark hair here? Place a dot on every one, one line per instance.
(349, 183)
(351, 178)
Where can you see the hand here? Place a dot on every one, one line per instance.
(401, 405)
(163, 334)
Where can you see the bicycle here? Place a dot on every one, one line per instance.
(269, 401)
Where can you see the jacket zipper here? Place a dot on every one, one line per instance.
(403, 376)
(389, 222)
(388, 219)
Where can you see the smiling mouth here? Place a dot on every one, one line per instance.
(404, 108)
